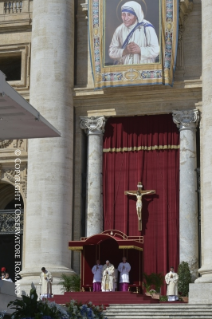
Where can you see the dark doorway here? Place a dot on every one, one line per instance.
(7, 253)
(8, 240)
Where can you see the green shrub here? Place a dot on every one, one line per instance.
(30, 307)
(70, 282)
(184, 278)
(163, 298)
(148, 281)
(153, 279)
(158, 280)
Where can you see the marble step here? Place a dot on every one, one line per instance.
(159, 312)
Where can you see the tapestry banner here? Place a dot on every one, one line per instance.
(133, 42)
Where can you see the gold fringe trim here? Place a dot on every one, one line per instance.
(141, 148)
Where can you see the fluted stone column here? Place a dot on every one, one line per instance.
(49, 195)
(186, 122)
(94, 127)
(201, 291)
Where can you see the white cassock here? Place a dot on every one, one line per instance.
(108, 278)
(145, 37)
(97, 272)
(46, 284)
(116, 274)
(124, 273)
(172, 286)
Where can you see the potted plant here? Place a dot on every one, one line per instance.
(157, 280)
(147, 283)
(184, 280)
(32, 308)
(70, 282)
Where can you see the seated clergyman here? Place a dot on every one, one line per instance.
(172, 285)
(7, 277)
(108, 277)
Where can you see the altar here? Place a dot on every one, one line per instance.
(110, 245)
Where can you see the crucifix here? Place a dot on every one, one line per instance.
(139, 194)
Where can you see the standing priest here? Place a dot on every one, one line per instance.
(97, 278)
(108, 277)
(172, 285)
(124, 269)
(46, 283)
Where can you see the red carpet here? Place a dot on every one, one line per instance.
(106, 298)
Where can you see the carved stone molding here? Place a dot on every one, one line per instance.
(5, 143)
(186, 119)
(11, 176)
(85, 8)
(93, 124)
(186, 6)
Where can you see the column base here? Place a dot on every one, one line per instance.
(200, 293)
(30, 276)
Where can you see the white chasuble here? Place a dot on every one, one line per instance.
(108, 278)
(97, 272)
(172, 283)
(124, 269)
(46, 284)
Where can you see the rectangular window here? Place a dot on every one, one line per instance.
(11, 67)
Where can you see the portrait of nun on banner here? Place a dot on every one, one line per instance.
(133, 42)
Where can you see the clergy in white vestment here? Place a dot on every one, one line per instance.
(124, 269)
(97, 276)
(135, 40)
(46, 283)
(116, 275)
(7, 277)
(108, 277)
(172, 285)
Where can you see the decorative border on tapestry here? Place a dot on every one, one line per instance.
(127, 69)
(141, 148)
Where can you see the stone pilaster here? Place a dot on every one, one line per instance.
(201, 291)
(187, 121)
(48, 220)
(94, 127)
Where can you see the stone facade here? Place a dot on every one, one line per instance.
(68, 99)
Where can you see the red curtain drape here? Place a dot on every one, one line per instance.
(156, 165)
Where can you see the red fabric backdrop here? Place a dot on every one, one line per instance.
(157, 170)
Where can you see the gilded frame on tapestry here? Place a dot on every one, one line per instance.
(109, 38)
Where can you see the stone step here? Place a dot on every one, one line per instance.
(173, 316)
(154, 307)
(155, 311)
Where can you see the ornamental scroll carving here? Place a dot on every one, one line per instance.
(93, 124)
(13, 176)
(186, 120)
(5, 143)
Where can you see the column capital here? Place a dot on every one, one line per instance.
(186, 119)
(93, 124)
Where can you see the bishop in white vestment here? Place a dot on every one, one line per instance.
(135, 40)
(172, 285)
(124, 269)
(97, 278)
(108, 277)
(46, 283)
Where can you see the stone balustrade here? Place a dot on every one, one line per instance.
(12, 7)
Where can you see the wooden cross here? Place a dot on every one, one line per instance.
(139, 194)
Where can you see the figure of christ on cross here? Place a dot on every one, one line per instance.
(139, 194)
